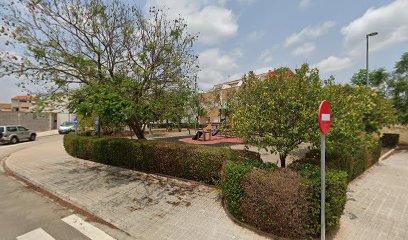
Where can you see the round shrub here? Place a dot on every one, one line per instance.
(233, 174)
(276, 202)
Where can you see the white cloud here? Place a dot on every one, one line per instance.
(333, 64)
(267, 55)
(309, 32)
(213, 23)
(244, 2)
(390, 21)
(304, 50)
(256, 35)
(304, 3)
(216, 66)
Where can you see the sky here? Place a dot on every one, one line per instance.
(237, 36)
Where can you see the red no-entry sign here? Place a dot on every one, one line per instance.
(325, 120)
(325, 117)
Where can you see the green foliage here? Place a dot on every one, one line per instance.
(233, 174)
(399, 88)
(199, 163)
(279, 112)
(122, 64)
(390, 140)
(357, 113)
(353, 158)
(336, 189)
(394, 86)
(377, 78)
(401, 67)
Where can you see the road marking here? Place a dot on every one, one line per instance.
(36, 234)
(85, 228)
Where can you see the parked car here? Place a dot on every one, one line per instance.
(15, 133)
(66, 127)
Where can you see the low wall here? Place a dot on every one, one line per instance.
(35, 121)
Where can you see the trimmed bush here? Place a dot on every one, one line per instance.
(390, 140)
(336, 188)
(233, 173)
(276, 202)
(199, 163)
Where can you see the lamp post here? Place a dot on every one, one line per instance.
(368, 35)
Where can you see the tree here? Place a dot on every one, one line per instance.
(378, 78)
(278, 113)
(93, 44)
(399, 88)
(177, 105)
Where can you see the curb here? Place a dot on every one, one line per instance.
(57, 197)
(386, 155)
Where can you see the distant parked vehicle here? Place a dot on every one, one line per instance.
(66, 127)
(15, 133)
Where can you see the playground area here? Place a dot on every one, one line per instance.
(217, 139)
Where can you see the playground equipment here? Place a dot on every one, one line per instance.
(204, 131)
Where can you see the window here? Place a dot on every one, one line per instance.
(11, 129)
(1, 129)
(22, 129)
(67, 124)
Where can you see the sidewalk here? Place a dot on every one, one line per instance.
(47, 133)
(377, 202)
(145, 206)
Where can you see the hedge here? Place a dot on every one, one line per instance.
(284, 202)
(198, 163)
(336, 195)
(354, 163)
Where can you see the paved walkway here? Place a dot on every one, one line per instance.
(148, 206)
(47, 133)
(143, 205)
(377, 206)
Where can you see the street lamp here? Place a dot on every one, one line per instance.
(368, 35)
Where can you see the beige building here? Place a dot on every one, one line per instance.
(23, 103)
(22, 111)
(215, 101)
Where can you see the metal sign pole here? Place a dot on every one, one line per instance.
(323, 187)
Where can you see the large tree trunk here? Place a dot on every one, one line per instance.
(134, 124)
(282, 160)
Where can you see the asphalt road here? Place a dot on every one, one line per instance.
(27, 214)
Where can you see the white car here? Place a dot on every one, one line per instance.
(66, 127)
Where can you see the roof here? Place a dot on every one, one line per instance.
(5, 106)
(26, 98)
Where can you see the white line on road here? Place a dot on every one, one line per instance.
(36, 234)
(87, 229)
